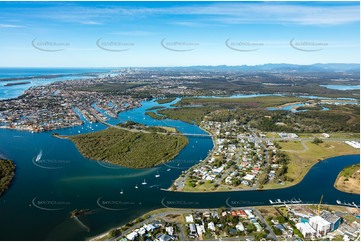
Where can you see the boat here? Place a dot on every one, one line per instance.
(338, 201)
(157, 175)
(121, 192)
(38, 157)
(136, 186)
(168, 169)
(144, 182)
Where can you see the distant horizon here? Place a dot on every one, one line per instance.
(66, 67)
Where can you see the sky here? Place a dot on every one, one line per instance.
(150, 34)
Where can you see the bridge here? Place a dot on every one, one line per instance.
(196, 135)
(144, 131)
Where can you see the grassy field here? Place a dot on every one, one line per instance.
(338, 135)
(302, 160)
(188, 114)
(166, 100)
(349, 180)
(291, 145)
(255, 102)
(129, 149)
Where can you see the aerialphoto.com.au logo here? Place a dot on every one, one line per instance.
(49, 46)
(50, 164)
(115, 205)
(307, 46)
(243, 46)
(49, 205)
(114, 46)
(179, 46)
(178, 203)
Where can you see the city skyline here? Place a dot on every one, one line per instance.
(149, 34)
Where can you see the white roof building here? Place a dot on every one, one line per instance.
(211, 226)
(200, 229)
(132, 235)
(248, 177)
(321, 226)
(169, 230)
(189, 219)
(306, 230)
(249, 213)
(240, 227)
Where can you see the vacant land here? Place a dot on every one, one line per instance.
(304, 156)
(166, 100)
(130, 149)
(349, 180)
(254, 102)
(7, 172)
(188, 114)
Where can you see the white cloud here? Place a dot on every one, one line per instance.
(10, 26)
(134, 33)
(195, 14)
(90, 23)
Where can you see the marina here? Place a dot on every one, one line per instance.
(349, 204)
(279, 201)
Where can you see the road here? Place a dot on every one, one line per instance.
(271, 234)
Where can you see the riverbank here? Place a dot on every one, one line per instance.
(7, 173)
(304, 155)
(349, 180)
(264, 214)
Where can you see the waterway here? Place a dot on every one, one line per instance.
(53, 178)
(342, 87)
(14, 91)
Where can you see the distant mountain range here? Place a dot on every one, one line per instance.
(337, 67)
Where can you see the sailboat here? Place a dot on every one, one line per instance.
(157, 175)
(144, 182)
(38, 157)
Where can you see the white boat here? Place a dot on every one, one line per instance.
(144, 182)
(157, 175)
(38, 157)
(168, 169)
(136, 186)
(121, 192)
(338, 201)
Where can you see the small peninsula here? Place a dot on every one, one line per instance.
(349, 180)
(131, 145)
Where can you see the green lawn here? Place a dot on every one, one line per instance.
(302, 161)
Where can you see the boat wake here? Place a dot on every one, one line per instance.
(82, 224)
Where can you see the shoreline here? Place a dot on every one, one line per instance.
(265, 189)
(104, 235)
(209, 154)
